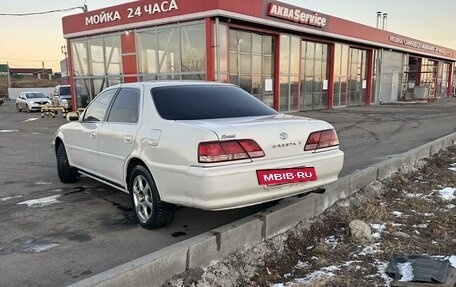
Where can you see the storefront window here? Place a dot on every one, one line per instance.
(289, 72)
(172, 53)
(147, 51)
(350, 76)
(314, 75)
(168, 50)
(96, 65)
(251, 63)
(193, 48)
(79, 56)
(223, 48)
(112, 55)
(96, 55)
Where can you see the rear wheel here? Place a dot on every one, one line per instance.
(150, 211)
(67, 174)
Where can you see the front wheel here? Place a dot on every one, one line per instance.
(27, 108)
(67, 174)
(150, 211)
(18, 108)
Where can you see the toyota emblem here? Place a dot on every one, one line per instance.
(283, 135)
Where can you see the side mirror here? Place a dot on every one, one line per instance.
(72, 116)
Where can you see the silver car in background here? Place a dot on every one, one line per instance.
(62, 96)
(31, 101)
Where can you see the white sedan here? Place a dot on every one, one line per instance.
(31, 101)
(199, 144)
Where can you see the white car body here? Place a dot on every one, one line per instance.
(31, 101)
(169, 149)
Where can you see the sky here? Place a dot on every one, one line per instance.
(30, 41)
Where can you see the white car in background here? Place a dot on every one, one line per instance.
(31, 101)
(199, 144)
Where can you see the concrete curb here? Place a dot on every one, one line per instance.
(155, 268)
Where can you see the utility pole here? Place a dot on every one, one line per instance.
(64, 51)
(42, 71)
(8, 75)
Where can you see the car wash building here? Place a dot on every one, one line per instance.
(291, 58)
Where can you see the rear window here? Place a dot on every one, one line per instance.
(207, 102)
(64, 91)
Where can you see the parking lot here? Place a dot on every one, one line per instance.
(56, 234)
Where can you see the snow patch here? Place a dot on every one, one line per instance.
(447, 193)
(381, 267)
(414, 195)
(8, 131)
(325, 272)
(43, 183)
(302, 265)
(331, 241)
(406, 270)
(40, 202)
(420, 225)
(42, 247)
(453, 260)
(378, 228)
(398, 213)
(10, 197)
(30, 120)
(371, 249)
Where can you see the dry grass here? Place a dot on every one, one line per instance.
(425, 219)
(408, 202)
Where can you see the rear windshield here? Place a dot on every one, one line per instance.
(207, 102)
(65, 91)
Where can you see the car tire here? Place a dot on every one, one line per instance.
(150, 211)
(18, 108)
(27, 108)
(67, 174)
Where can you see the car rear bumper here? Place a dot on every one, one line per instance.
(226, 187)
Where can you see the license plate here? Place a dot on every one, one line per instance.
(284, 176)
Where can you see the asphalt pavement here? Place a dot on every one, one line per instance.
(55, 234)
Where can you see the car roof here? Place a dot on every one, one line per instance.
(154, 84)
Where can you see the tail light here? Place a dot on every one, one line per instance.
(228, 150)
(322, 139)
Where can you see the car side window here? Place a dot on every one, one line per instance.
(125, 108)
(96, 111)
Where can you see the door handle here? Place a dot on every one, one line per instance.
(93, 135)
(128, 139)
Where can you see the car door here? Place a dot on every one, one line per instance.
(81, 139)
(21, 101)
(116, 137)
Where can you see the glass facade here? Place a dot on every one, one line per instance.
(303, 82)
(428, 74)
(443, 83)
(357, 77)
(314, 75)
(96, 65)
(288, 72)
(350, 76)
(176, 52)
(251, 63)
(391, 76)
